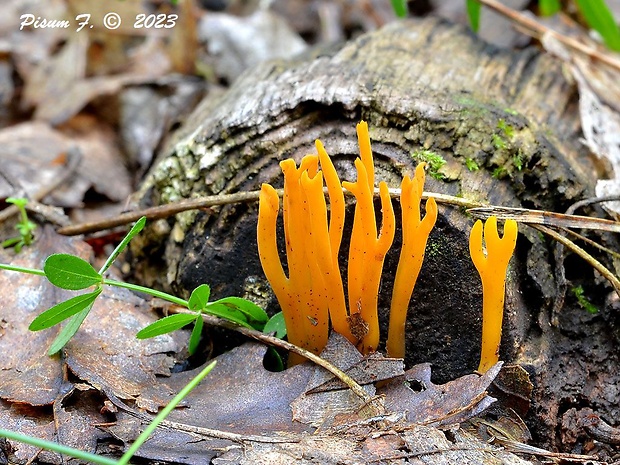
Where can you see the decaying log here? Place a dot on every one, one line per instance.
(505, 122)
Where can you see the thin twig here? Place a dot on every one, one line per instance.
(593, 262)
(541, 29)
(439, 450)
(558, 220)
(274, 341)
(161, 211)
(165, 211)
(558, 257)
(197, 430)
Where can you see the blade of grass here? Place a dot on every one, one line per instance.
(400, 8)
(55, 447)
(136, 228)
(164, 413)
(549, 7)
(473, 13)
(599, 18)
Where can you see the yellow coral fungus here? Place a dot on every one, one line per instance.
(302, 295)
(492, 269)
(415, 235)
(314, 286)
(367, 250)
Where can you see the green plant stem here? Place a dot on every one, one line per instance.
(146, 290)
(55, 447)
(21, 269)
(109, 282)
(164, 413)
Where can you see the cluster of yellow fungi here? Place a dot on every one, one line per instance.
(312, 294)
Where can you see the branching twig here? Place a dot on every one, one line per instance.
(197, 430)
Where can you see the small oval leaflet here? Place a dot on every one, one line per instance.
(70, 272)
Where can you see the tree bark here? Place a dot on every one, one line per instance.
(507, 125)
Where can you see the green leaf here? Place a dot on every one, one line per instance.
(135, 229)
(549, 7)
(11, 242)
(228, 313)
(473, 13)
(276, 325)
(400, 8)
(199, 298)
(255, 315)
(599, 18)
(194, 339)
(69, 330)
(63, 310)
(166, 325)
(70, 272)
(273, 361)
(17, 201)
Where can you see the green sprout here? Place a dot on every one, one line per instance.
(433, 160)
(517, 160)
(24, 227)
(499, 172)
(583, 301)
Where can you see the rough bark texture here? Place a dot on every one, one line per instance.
(421, 85)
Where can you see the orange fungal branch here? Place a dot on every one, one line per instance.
(492, 268)
(367, 249)
(415, 235)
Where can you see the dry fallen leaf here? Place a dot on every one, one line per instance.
(29, 376)
(240, 43)
(599, 91)
(241, 398)
(104, 352)
(33, 155)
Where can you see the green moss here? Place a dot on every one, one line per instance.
(517, 160)
(433, 160)
(471, 164)
(498, 142)
(500, 172)
(433, 248)
(583, 301)
(506, 128)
